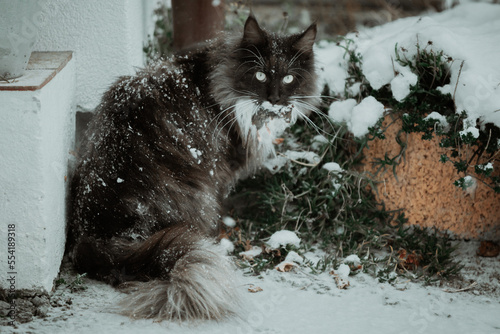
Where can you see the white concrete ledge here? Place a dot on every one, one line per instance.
(37, 122)
(107, 38)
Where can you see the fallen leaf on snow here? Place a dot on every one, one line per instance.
(254, 289)
(341, 276)
(342, 282)
(285, 266)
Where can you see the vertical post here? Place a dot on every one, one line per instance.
(196, 21)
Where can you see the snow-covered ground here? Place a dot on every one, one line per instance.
(298, 302)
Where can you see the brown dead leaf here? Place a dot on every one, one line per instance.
(409, 261)
(285, 266)
(278, 141)
(247, 245)
(254, 289)
(488, 249)
(341, 282)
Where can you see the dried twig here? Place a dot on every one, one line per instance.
(461, 290)
(4, 79)
(458, 78)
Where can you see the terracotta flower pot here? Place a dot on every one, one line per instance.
(423, 186)
(19, 24)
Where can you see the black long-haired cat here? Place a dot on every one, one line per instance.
(163, 151)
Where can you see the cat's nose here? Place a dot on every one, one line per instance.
(273, 98)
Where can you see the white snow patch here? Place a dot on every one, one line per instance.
(310, 157)
(341, 111)
(472, 130)
(486, 167)
(318, 141)
(333, 167)
(332, 66)
(400, 85)
(282, 239)
(365, 115)
(354, 89)
(343, 270)
(251, 253)
(227, 245)
(358, 118)
(352, 259)
(276, 163)
(228, 221)
(119, 180)
(469, 182)
(294, 257)
(313, 257)
(438, 117)
(195, 152)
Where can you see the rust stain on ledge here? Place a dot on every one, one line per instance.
(42, 67)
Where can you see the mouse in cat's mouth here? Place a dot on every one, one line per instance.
(267, 112)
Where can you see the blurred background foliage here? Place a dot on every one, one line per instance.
(334, 17)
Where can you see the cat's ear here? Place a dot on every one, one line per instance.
(252, 33)
(305, 41)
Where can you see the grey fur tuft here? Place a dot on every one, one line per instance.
(202, 285)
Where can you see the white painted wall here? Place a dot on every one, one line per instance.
(36, 135)
(106, 37)
(37, 127)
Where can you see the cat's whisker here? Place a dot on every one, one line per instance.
(296, 74)
(311, 123)
(313, 100)
(230, 122)
(312, 108)
(294, 69)
(223, 111)
(294, 97)
(217, 119)
(245, 93)
(231, 125)
(258, 68)
(222, 120)
(299, 53)
(249, 61)
(220, 127)
(259, 56)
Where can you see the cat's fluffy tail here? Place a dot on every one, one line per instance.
(197, 281)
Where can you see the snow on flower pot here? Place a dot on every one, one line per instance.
(19, 23)
(424, 187)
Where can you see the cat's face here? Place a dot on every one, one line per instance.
(274, 81)
(273, 69)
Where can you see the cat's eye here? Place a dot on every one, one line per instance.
(288, 79)
(260, 76)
